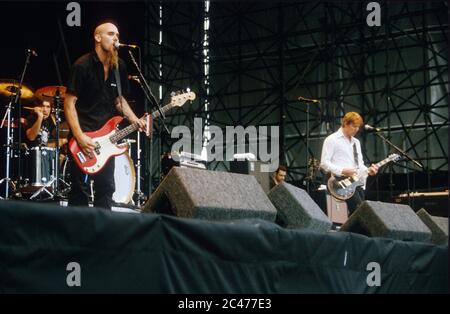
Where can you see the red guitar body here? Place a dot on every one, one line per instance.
(103, 152)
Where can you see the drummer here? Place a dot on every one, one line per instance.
(40, 126)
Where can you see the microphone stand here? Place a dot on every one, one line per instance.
(147, 91)
(399, 150)
(151, 99)
(403, 153)
(308, 102)
(15, 101)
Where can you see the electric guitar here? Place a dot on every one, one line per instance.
(107, 138)
(344, 188)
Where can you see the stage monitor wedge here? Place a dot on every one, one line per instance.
(210, 195)
(297, 210)
(437, 225)
(387, 220)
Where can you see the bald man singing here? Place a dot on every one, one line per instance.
(92, 98)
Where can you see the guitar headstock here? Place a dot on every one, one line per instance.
(394, 157)
(178, 99)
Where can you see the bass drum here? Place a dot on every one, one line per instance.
(125, 179)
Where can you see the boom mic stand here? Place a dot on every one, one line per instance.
(403, 153)
(151, 98)
(308, 102)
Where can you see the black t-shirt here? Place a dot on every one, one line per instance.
(95, 96)
(45, 132)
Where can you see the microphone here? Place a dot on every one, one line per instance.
(118, 45)
(370, 128)
(31, 51)
(316, 101)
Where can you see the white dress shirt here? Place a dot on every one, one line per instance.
(337, 153)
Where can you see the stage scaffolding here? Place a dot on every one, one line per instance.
(263, 55)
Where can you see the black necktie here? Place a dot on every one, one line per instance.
(355, 154)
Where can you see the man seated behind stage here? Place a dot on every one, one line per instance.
(40, 126)
(279, 176)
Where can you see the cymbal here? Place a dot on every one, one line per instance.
(10, 88)
(48, 92)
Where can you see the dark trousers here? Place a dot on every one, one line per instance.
(104, 186)
(354, 201)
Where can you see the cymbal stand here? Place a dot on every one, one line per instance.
(14, 100)
(57, 102)
(151, 99)
(9, 143)
(138, 195)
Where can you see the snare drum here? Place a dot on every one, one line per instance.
(125, 179)
(42, 165)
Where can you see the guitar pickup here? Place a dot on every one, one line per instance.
(81, 157)
(97, 148)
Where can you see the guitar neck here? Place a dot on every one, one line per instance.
(121, 134)
(156, 114)
(383, 162)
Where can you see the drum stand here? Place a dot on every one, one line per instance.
(138, 196)
(9, 140)
(57, 102)
(44, 189)
(49, 184)
(54, 182)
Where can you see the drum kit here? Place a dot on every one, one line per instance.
(45, 168)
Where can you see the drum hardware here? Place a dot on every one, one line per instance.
(138, 197)
(17, 91)
(65, 188)
(91, 185)
(43, 173)
(46, 172)
(58, 93)
(45, 189)
(10, 125)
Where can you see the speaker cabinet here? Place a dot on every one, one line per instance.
(297, 210)
(387, 220)
(437, 225)
(211, 195)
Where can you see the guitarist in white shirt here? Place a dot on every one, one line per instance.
(92, 98)
(342, 156)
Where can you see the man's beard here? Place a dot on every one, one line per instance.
(113, 57)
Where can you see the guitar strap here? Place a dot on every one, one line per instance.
(119, 86)
(355, 155)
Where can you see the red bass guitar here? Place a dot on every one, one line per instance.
(107, 138)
